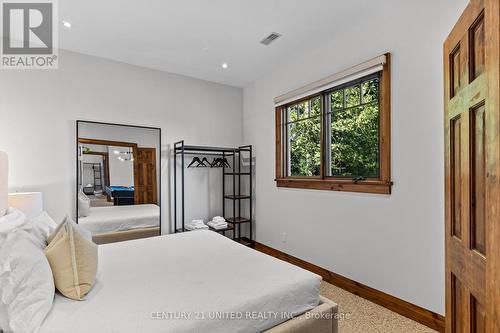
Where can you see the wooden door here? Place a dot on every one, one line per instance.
(472, 170)
(146, 176)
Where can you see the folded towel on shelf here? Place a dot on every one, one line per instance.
(196, 225)
(217, 225)
(189, 226)
(218, 219)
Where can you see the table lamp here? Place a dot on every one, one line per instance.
(30, 203)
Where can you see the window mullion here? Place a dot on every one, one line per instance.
(287, 136)
(324, 145)
(327, 138)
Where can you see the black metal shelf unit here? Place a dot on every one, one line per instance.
(235, 173)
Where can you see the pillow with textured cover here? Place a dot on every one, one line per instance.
(73, 259)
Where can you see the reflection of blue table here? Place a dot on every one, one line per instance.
(121, 195)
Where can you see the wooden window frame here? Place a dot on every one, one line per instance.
(381, 185)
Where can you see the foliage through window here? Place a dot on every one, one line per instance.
(353, 118)
(304, 137)
(337, 139)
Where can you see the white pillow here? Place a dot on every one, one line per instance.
(84, 232)
(81, 230)
(83, 204)
(14, 219)
(39, 227)
(27, 292)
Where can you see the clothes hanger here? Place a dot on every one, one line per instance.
(216, 162)
(203, 161)
(195, 159)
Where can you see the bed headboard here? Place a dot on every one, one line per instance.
(4, 178)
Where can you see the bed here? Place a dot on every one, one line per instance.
(120, 218)
(111, 224)
(194, 282)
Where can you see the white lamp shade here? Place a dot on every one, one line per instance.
(4, 182)
(30, 203)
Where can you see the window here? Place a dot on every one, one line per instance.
(304, 138)
(338, 138)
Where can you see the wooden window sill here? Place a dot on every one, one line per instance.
(367, 186)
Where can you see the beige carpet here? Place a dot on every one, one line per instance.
(362, 316)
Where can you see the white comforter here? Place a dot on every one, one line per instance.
(119, 218)
(190, 282)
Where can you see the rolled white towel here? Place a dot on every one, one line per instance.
(218, 219)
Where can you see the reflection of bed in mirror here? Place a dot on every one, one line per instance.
(112, 221)
(118, 179)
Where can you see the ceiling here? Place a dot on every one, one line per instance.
(194, 37)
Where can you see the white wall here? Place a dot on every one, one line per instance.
(392, 243)
(121, 173)
(38, 110)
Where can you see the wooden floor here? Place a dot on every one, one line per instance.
(99, 201)
(361, 316)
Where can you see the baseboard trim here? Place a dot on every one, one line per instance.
(404, 308)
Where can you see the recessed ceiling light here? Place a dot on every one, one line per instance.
(225, 65)
(66, 24)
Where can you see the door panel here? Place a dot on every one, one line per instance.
(472, 165)
(477, 317)
(456, 303)
(455, 73)
(146, 176)
(477, 157)
(477, 48)
(456, 178)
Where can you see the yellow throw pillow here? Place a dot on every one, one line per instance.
(73, 259)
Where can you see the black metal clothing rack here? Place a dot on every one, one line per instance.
(236, 221)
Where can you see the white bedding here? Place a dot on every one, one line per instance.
(119, 218)
(193, 274)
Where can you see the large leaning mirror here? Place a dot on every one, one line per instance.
(118, 181)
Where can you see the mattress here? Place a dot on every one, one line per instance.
(119, 218)
(196, 281)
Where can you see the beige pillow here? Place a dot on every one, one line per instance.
(73, 259)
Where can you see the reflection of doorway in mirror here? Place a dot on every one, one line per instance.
(146, 176)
